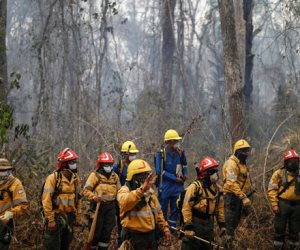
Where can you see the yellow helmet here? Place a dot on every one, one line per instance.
(136, 167)
(172, 134)
(129, 147)
(4, 164)
(241, 144)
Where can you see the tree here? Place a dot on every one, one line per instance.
(168, 47)
(248, 79)
(3, 63)
(233, 75)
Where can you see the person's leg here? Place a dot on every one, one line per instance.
(233, 210)
(68, 221)
(109, 222)
(99, 227)
(119, 224)
(294, 227)
(144, 241)
(52, 239)
(5, 235)
(280, 223)
(174, 212)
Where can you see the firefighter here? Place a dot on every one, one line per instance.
(171, 167)
(13, 202)
(140, 210)
(62, 202)
(237, 187)
(202, 202)
(284, 195)
(102, 186)
(128, 153)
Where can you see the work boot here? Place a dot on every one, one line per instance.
(278, 245)
(293, 245)
(228, 242)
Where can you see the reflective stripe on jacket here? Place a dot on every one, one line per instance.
(13, 197)
(67, 198)
(236, 177)
(107, 187)
(277, 182)
(143, 220)
(204, 202)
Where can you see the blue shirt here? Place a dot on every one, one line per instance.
(122, 175)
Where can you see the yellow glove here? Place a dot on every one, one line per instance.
(246, 202)
(189, 233)
(6, 217)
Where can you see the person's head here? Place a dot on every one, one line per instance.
(137, 172)
(5, 170)
(208, 170)
(172, 139)
(129, 151)
(242, 150)
(105, 161)
(291, 161)
(67, 161)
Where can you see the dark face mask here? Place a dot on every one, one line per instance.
(242, 157)
(292, 165)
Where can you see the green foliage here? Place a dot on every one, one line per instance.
(6, 121)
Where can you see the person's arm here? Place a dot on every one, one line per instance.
(273, 188)
(19, 199)
(230, 172)
(188, 203)
(90, 186)
(129, 199)
(48, 192)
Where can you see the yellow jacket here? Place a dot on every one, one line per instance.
(236, 177)
(279, 178)
(65, 200)
(98, 183)
(13, 197)
(145, 219)
(204, 201)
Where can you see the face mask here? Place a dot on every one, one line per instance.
(242, 157)
(177, 145)
(108, 169)
(132, 157)
(4, 175)
(73, 167)
(293, 168)
(214, 178)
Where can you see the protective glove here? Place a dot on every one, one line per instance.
(167, 235)
(97, 198)
(222, 231)
(276, 210)
(52, 226)
(189, 233)
(246, 202)
(6, 217)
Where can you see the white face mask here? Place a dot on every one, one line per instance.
(132, 157)
(4, 173)
(214, 178)
(73, 166)
(108, 169)
(177, 145)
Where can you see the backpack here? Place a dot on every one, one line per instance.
(179, 201)
(57, 191)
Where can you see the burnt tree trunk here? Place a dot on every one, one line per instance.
(233, 75)
(3, 62)
(248, 80)
(168, 47)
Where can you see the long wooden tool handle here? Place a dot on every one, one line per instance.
(93, 228)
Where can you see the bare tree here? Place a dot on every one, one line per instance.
(3, 63)
(233, 75)
(248, 78)
(168, 48)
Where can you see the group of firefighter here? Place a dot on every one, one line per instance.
(146, 207)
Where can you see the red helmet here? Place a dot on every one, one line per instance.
(64, 156)
(205, 164)
(290, 155)
(104, 158)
